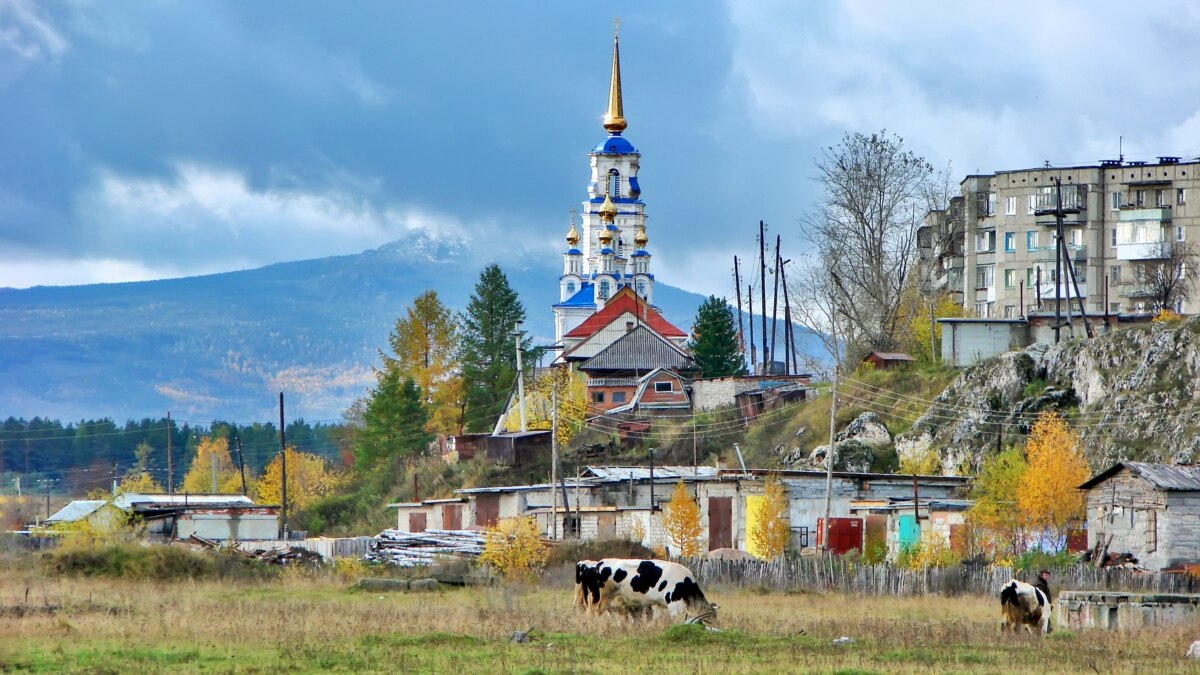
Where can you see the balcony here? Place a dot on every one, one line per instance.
(1140, 214)
(1074, 205)
(1133, 290)
(1066, 290)
(1049, 253)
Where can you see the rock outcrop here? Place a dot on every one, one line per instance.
(856, 445)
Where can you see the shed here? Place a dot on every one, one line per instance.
(430, 514)
(888, 360)
(894, 524)
(1151, 511)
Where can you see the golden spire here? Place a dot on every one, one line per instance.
(573, 234)
(608, 210)
(614, 119)
(640, 239)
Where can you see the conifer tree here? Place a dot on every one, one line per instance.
(714, 342)
(487, 350)
(394, 421)
(424, 347)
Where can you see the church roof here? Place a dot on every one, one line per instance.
(615, 145)
(640, 349)
(584, 297)
(625, 300)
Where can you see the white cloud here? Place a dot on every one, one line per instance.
(27, 33)
(26, 271)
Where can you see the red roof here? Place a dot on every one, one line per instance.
(625, 300)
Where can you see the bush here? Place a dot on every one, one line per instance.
(515, 549)
(151, 562)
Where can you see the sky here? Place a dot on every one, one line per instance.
(157, 139)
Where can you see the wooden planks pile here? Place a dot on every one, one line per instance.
(413, 549)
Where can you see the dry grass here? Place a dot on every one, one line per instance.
(316, 624)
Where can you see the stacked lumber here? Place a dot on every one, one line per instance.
(414, 549)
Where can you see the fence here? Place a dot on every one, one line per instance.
(837, 574)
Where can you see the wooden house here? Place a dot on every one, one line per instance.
(1151, 511)
(888, 360)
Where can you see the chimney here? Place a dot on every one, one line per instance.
(628, 326)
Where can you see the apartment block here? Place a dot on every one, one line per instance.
(993, 248)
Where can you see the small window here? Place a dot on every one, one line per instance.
(662, 387)
(1160, 198)
(1114, 274)
(618, 397)
(1010, 242)
(597, 397)
(1010, 278)
(1114, 236)
(981, 310)
(614, 183)
(1116, 201)
(1180, 196)
(1010, 206)
(1029, 278)
(1031, 240)
(604, 290)
(1140, 198)
(1114, 307)
(1032, 204)
(1178, 233)
(570, 288)
(641, 288)
(1010, 311)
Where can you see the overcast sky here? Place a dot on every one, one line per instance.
(159, 139)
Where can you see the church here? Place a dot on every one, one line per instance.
(605, 322)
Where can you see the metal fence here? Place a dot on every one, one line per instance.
(837, 574)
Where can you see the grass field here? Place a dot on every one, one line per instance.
(298, 624)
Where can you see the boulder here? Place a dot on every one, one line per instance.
(376, 584)
(867, 429)
(852, 455)
(423, 584)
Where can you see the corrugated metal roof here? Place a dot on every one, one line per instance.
(130, 499)
(76, 510)
(1162, 476)
(893, 356)
(643, 472)
(640, 349)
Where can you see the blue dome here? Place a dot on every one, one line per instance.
(615, 145)
(574, 251)
(640, 253)
(606, 251)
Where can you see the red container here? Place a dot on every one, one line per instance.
(845, 534)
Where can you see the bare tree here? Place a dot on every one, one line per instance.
(1168, 279)
(865, 233)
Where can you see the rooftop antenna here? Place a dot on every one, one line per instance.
(1121, 148)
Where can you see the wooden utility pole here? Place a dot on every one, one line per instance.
(241, 462)
(517, 333)
(762, 269)
(170, 466)
(789, 332)
(737, 286)
(753, 353)
(553, 450)
(283, 507)
(775, 303)
(829, 454)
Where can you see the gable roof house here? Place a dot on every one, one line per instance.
(621, 314)
(1151, 511)
(640, 360)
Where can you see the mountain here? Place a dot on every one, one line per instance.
(222, 346)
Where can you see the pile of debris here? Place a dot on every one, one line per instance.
(406, 549)
(289, 556)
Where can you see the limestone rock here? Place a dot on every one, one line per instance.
(851, 455)
(868, 429)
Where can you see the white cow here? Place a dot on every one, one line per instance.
(1023, 604)
(642, 583)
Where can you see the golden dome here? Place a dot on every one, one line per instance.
(640, 239)
(608, 210)
(606, 236)
(573, 235)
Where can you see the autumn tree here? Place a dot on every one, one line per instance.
(514, 547)
(559, 383)
(1048, 496)
(394, 421)
(199, 477)
(309, 477)
(918, 343)
(769, 528)
(994, 514)
(140, 482)
(424, 346)
(487, 350)
(681, 518)
(1168, 277)
(714, 343)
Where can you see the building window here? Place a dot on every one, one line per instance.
(618, 397)
(641, 288)
(614, 183)
(1116, 201)
(981, 310)
(1010, 311)
(1140, 198)
(985, 242)
(663, 387)
(1180, 196)
(984, 277)
(1178, 233)
(597, 397)
(1160, 197)
(1076, 237)
(1080, 273)
(985, 203)
(1029, 277)
(1010, 278)
(1114, 307)
(570, 288)
(1031, 240)
(1010, 206)
(603, 290)
(1032, 204)
(1114, 274)
(1114, 236)
(1010, 242)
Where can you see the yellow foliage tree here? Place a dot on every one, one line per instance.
(139, 482)
(924, 463)
(681, 518)
(769, 528)
(1166, 316)
(514, 547)
(424, 343)
(917, 342)
(309, 478)
(198, 479)
(994, 515)
(1048, 495)
(539, 397)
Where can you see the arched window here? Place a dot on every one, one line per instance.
(570, 288)
(603, 290)
(641, 288)
(614, 183)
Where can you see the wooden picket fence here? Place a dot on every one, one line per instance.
(836, 574)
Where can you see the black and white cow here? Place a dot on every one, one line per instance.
(1023, 604)
(641, 584)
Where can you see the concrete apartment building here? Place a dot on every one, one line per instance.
(993, 248)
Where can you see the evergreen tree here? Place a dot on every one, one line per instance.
(424, 343)
(714, 341)
(487, 352)
(395, 421)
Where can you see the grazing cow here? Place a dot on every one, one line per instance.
(1022, 604)
(644, 584)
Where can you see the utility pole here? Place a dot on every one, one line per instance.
(762, 268)
(212, 463)
(790, 340)
(114, 479)
(829, 454)
(170, 466)
(775, 304)
(737, 286)
(241, 462)
(520, 374)
(753, 353)
(283, 508)
(553, 451)
(46, 483)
